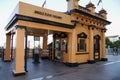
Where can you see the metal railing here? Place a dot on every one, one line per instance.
(113, 51)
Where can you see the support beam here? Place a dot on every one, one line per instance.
(72, 50)
(103, 47)
(26, 49)
(12, 46)
(45, 42)
(91, 47)
(19, 55)
(7, 55)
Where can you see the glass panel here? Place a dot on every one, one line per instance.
(82, 45)
(57, 44)
(63, 45)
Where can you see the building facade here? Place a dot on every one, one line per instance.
(78, 34)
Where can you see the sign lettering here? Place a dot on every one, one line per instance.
(47, 14)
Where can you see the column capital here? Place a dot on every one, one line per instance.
(75, 22)
(103, 30)
(8, 34)
(21, 27)
(91, 27)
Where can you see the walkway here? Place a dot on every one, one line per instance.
(48, 70)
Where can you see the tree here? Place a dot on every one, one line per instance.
(109, 43)
(117, 44)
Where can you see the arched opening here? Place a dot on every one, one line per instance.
(97, 47)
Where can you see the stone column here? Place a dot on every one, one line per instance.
(45, 42)
(19, 67)
(7, 55)
(72, 49)
(103, 46)
(91, 47)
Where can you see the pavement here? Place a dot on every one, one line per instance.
(48, 70)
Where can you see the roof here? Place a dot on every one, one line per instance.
(89, 15)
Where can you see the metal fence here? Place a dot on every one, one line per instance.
(113, 51)
(29, 52)
(109, 51)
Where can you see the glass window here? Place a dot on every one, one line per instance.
(82, 42)
(64, 45)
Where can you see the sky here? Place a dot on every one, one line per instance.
(111, 6)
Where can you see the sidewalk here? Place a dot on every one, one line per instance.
(48, 70)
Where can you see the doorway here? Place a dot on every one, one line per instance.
(97, 48)
(59, 46)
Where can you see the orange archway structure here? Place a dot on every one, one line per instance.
(79, 33)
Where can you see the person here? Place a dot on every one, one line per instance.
(36, 55)
(115, 51)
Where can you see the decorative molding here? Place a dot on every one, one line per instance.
(104, 59)
(89, 15)
(61, 35)
(91, 61)
(37, 20)
(75, 22)
(21, 27)
(82, 35)
(18, 74)
(97, 37)
(91, 27)
(103, 30)
(72, 64)
(7, 60)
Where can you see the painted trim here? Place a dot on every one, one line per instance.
(89, 15)
(91, 61)
(37, 20)
(19, 74)
(81, 53)
(7, 60)
(72, 64)
(104, 59)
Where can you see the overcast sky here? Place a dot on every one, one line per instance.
(111, 6)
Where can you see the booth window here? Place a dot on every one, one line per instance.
(81, 42)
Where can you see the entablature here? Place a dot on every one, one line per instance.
(89, 20)
(83, 15)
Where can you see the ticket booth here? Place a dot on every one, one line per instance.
(73, 33)
(59, 46)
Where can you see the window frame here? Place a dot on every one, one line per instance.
(81, 36)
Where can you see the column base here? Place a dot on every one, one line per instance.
(18, 74)
(7, 60)
(72, 64)
(91, 61)
(104, 59)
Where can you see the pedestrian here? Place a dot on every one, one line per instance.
(36, 55)
(114, 50)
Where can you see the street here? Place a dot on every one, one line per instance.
(48, 70)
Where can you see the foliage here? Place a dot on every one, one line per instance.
(117, 44)
(108, 43)
(112, 44)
